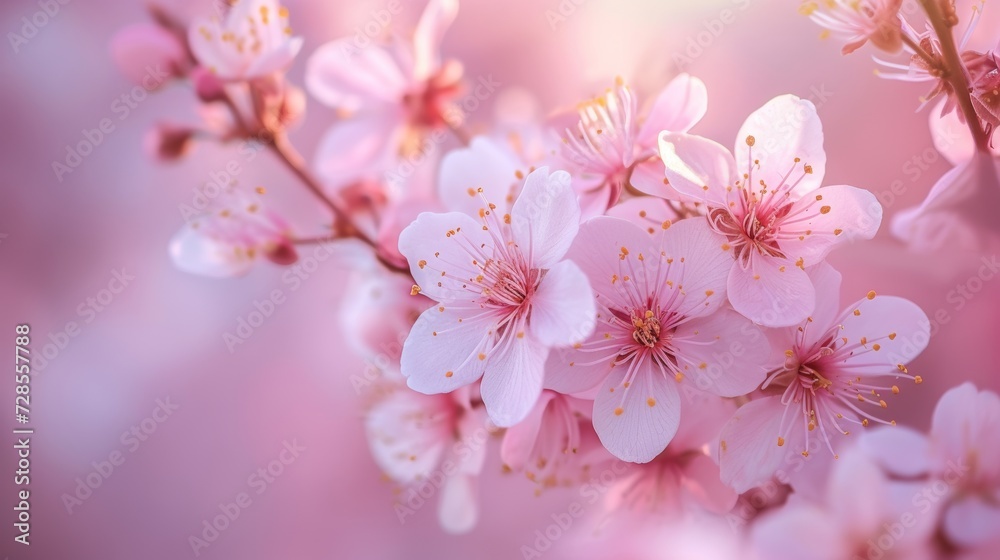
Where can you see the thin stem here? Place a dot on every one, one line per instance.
(954, 72)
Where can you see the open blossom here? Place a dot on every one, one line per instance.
(235, 235)
(859, 21)
(254, 40)
(435, 441)
(836, 372)
(660, 325)
(861, 514)
(555, 445)
(608, 138)
(960, 454)
(505, 295)
(391, 95)
(768, 204)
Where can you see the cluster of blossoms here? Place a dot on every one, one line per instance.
(602, 291)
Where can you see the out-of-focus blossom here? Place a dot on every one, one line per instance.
(836, 370)
(660, 325)
(768, 204)
(435, 441)
(254, 40)
(958, 211)
(984, 84)
(148, 54)
(685, 474)
(235, 235)
(393, 95)
(861, 515)
(505, 295)
(555, 445)
(376, 313)
(609, 144)
(859, 21)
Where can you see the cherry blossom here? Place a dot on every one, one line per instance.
(660, 325)
(505, 295)
(836, 370)
(859, 21)
(437, 440)
(228, 241)
(768, 204)
(254, 40)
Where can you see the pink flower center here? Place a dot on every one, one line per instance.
(756, 231)
(647, 329)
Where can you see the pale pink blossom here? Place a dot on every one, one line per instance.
(862, 514)
(505, 295)
(859, 21)
(390, 96)
(430, 441)
(610, 144)
(768, 204)
(253, 40)
(660, 328)
(229, 240)
(836, 372)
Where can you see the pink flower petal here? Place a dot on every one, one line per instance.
(562, 308)
(356, 148)
(964, 421)
(578, 370)
(408, 433)
(971, 521)
(899, 450)
(342, 76)
(140, 47)
(434, 22)
(853, 476)
(701, 480)
(596, 250)
(513, 380)
(724, 353)
(827, 217)
(195, 253)
(773, 293)
(636, 423)
(749, 453)
(897, 327)
(799, 531)
(785, 128)
(442, 353)
(458, 511)
(697, 168)
(519, 440)
(483, 164)
(441, 249)
(647, 211)
(678, 107)
(545, 217)
(697, 267)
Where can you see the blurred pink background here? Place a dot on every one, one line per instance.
(162, 335)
